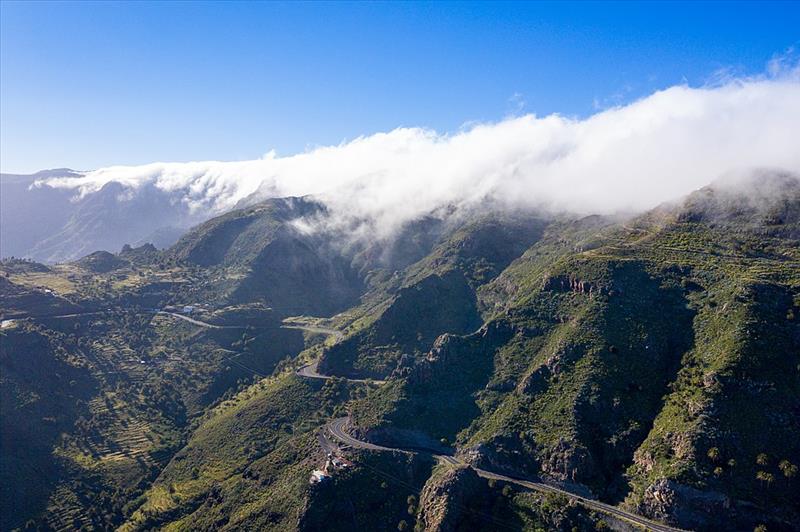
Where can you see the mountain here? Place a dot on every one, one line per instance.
(55, 225)
(260, 254)
(480, 371)
(31, 214)
(655, 368)
(433, 295)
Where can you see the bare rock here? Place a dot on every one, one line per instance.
(445, 496)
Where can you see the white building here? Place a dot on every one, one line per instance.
(318, 476)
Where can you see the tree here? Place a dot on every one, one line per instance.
(760, 528)
(762, 459)
(713, 454)
(788, 469)
(402, 525)
(763, 476)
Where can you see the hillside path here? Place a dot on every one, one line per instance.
(337, 429)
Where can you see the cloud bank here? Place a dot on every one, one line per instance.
(630, 157)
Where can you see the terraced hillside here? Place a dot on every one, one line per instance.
(650, 363)
(107, 398)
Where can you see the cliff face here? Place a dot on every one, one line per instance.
(651, 363)
(727, 426)
(447, 498)
(657, 365)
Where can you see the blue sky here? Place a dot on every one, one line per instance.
(87, 85)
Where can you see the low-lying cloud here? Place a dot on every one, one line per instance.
(626, 158)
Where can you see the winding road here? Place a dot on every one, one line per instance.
(310, 371)
(199, 323)
(194, 321)
(337, 428)
(338, 335)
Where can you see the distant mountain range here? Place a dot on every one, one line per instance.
(650, 364)
(54, 225)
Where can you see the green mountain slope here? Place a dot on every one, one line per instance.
(629, 360)
(404, 314)
(652, 363)
(260, 254)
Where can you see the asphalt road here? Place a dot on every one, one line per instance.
(314, 329)
(198, 322)
(111, 311)
(184, 317)
(309, 371)
(337, 429)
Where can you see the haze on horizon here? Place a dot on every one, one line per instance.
(657, 137)
(399, 266)
(624, 159)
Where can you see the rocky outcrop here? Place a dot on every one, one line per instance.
(446, 496)
(568, 283)
(448, 350)
(675, 503)
(568, 462)
(509, 454)
(693, 509)
(144, 254)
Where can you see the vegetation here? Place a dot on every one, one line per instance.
(652, 362)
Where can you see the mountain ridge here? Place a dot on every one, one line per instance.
(649, 362)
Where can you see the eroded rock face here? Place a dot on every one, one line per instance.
(435, 360)
(504, 454)
(659, 500)
(564, 283)
(445, 496)
(644, 460)
(448, 349)
(678, 504)
(567, 462)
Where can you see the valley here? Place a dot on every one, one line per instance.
(504, 370)
(399, 266)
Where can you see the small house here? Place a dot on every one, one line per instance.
(318, 476)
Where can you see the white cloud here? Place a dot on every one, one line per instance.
(629, 157)
(785, 64)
